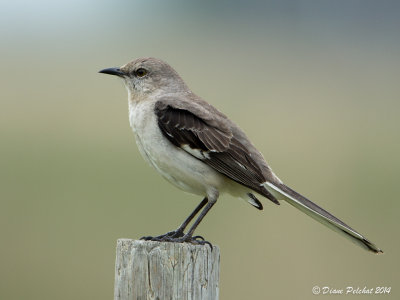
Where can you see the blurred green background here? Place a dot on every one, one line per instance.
(320, 77)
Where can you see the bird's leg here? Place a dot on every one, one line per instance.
(180, 231)
(188, 237)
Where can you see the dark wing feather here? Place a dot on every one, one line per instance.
(221, 150)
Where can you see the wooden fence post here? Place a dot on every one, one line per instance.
(154, 270)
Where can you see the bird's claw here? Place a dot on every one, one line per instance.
(172, 234)
(178, 237)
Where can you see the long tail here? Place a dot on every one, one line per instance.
(321, 215)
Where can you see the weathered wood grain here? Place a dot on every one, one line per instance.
(153, 270)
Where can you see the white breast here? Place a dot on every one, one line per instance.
(176, 165)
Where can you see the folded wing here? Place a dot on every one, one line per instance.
(212, 142)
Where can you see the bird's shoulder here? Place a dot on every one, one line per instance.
(196, 106)
(189, 120)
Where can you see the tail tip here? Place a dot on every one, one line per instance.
(372, 247)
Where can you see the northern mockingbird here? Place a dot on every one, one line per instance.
(198, 149)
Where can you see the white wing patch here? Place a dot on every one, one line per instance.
(200, 154)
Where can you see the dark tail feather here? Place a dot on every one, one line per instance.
(322, 216)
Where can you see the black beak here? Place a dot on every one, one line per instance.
(113, 71)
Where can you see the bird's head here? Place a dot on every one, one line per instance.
(145, 76)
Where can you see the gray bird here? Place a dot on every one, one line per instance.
(199, 150)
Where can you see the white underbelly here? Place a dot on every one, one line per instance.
(174, 164)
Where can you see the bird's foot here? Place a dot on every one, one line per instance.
(195, 240)
(178, 237)
(172, 234)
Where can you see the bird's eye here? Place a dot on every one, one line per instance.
(141, 72)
